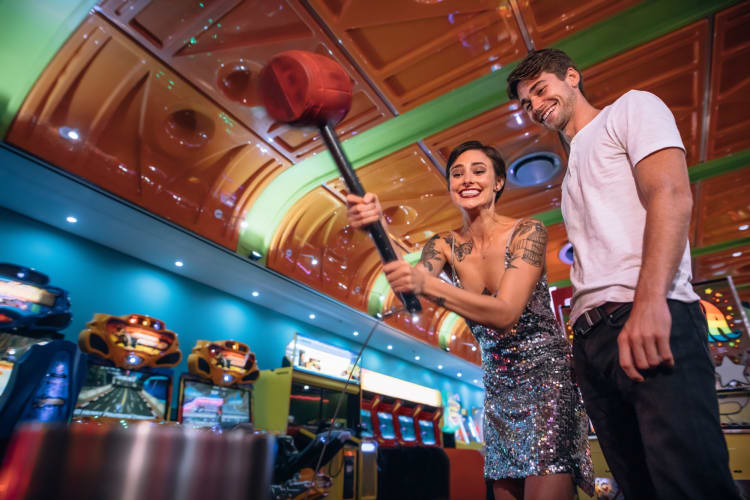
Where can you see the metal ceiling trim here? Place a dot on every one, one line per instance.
(522, 25)
(633, 27)
(706, 122)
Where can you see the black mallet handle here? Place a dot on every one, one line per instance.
(376, 229)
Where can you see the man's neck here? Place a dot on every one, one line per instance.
(583, 113)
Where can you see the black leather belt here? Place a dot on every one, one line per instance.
(591, 318)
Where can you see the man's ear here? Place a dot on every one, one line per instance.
(572, 77)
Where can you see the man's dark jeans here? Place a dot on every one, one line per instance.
(661, 437)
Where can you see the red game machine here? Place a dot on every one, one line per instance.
(427, 420)
(382, 412)
(406, 428)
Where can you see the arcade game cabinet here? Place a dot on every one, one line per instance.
(128, 377)
(298, 401)
(407, 468)
(40, 373)
(216, 393)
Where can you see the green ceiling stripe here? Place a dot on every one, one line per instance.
(719, 247)
(743, 286)
(31, 33)
(719, 166)
(561, 283)
(644, 22)
(696, 173)
(445, 331)
(380, 287)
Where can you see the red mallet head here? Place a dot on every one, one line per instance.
(304, 88)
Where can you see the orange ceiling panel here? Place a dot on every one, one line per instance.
(672, 67)
(513, 134)
(109, 112)
(548, 21)
(730, 83)
(414, 51)
(415, 202)
(221, 46)
(723, 208)
(557, 237)
(734, 262)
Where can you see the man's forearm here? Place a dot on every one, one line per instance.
(665, 235)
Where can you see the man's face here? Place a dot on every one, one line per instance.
(548, 100)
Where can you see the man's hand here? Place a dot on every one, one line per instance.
(363, 210)
(644, 340)
(405, 278)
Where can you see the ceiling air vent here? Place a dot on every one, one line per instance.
(533, 169)
(566, 254)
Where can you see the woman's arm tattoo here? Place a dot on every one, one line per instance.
(530, 243)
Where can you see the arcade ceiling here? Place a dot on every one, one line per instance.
(156, 102)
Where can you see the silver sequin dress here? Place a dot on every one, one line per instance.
(534, 420)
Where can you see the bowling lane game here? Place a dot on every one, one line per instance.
(208, 405)
(111, 392)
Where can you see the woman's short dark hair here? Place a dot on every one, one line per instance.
(498, 164)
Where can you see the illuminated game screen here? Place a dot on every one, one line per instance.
(316, 357)
(124, 394)
(208, 405)
(386, 425)
(406, 425)
(728, 339)
(366, 423)
(427, 432)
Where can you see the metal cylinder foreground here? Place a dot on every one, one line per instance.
(143, 462)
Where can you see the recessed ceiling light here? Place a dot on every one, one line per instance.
(473, 348)
(736, 254)
(314, 261)
(417, 358)
(440, 367)
(255, 294)
(414, 318)
(71, 219)
(744, 227)
(476, 381)
(355, 333)
(312, 316)
(390, 347)
(178, 263)
(459, 374)
(307, 387)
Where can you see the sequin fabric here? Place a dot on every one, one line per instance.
(534, 420)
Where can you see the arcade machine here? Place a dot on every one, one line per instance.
(216, 393)
(40, 373)
(427, 419)
(403, 416)
(729, 346)
(299, 400)
(128, 377)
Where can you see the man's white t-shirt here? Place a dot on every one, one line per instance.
(604, 215)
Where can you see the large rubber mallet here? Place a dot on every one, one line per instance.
(303, 88)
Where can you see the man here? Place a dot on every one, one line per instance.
(640, 347)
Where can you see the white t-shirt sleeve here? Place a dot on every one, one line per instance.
(643, 124)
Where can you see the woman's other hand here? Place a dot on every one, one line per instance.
(405, 278)
(363, 210)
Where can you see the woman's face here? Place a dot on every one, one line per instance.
(472, 180)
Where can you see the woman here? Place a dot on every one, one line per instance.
(535, 424)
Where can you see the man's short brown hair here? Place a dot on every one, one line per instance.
(537, 61)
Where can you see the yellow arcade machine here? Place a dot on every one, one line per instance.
(300, 399)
